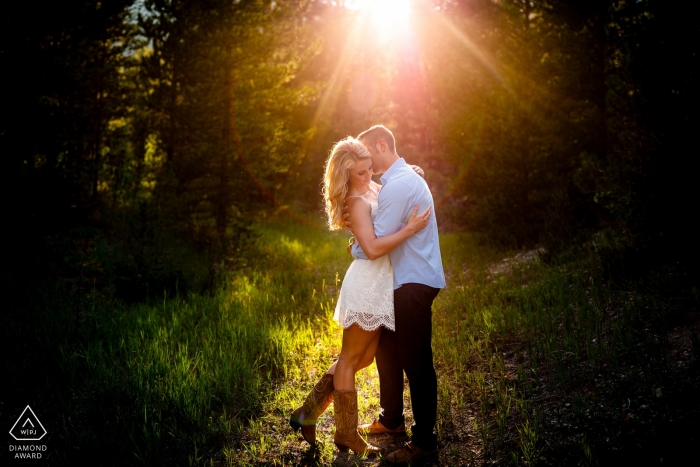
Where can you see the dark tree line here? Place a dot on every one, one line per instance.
(568, 117)
(139, 140)
(145, 136)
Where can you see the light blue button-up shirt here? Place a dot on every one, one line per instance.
(417, 260)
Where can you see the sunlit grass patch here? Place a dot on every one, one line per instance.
(174, 379)
(202, 380)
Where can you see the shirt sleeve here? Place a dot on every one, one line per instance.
(393, 212)
(356, 251)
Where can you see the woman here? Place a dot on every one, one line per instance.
(366, 301)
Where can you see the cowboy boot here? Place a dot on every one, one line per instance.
(346, 435)
(318, 400)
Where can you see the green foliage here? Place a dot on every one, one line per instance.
(564, 117)
(166, 127)
(169, 126)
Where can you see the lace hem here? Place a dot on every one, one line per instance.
(367, 321)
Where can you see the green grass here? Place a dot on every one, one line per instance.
(518, 350)
(210, 380)
(168, 381)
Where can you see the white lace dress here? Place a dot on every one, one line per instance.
(367, 294)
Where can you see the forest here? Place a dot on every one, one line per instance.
(171, 279)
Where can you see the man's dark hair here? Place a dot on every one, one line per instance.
(372, 136)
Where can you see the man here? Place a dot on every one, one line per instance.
(418, 277)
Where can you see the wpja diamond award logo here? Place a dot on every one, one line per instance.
(28, 428)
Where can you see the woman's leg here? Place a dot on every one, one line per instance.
(368, 357)
(358, 346)
(356, 343)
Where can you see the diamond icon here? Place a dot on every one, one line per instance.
(28, 427)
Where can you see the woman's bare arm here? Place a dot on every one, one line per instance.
(372, 246)
(376, 186)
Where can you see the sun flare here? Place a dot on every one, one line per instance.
(386, 13)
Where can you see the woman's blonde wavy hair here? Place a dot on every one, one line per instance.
(343, 157)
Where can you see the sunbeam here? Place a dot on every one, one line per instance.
(387, 16)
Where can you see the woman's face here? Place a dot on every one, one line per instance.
(361, 174)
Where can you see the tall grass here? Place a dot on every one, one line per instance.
(509, 335)
(169, 380)
(201, 380)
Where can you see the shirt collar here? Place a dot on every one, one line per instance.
(393, 169)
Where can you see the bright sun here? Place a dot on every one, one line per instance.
(389, 13)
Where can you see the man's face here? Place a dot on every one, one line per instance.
(373, 151)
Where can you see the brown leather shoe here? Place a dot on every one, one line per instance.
(409, 452)
(376, 428)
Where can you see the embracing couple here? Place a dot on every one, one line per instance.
(386, 297)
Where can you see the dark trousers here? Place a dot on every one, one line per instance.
(409, 350)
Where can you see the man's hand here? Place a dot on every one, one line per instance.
(418, 170)
(346, 220)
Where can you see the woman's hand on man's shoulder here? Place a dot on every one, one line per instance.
(417, 170)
